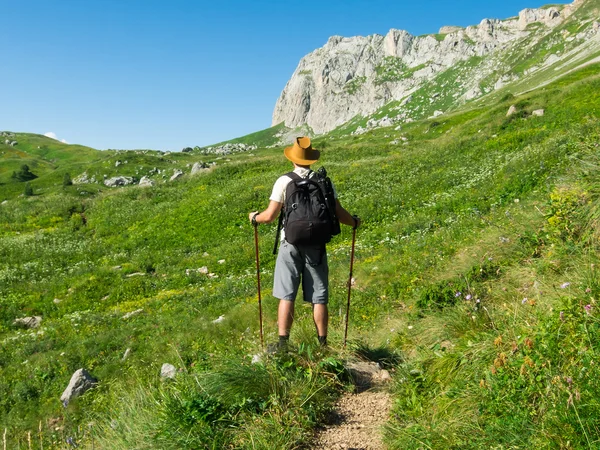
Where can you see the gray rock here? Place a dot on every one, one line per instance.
(29, 322)
(132, 313)
(366, 373)
(176, 174)
(168, 371)
(512, 110)
(118, 181)
(538, 112)
(146, 182)
(81, 381)
(200, 167)
(13, 143)
(84, 178)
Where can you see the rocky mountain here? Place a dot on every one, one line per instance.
(409, 77)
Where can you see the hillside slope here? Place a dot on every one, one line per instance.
(473, 223)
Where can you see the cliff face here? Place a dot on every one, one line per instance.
(358, 75)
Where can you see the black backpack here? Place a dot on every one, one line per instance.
(308, 214)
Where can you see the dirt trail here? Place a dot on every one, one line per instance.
(355, 423)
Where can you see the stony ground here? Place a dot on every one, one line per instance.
(355, 423)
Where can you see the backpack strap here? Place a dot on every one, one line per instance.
(295, 177)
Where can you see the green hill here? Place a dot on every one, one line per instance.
(476, 283)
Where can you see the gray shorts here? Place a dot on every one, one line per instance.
(306, 264)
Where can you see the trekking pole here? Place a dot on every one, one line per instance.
(258, 282)
(350, 280)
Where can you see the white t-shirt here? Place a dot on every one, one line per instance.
(278, 194)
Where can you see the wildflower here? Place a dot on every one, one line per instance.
(458, 294)
(524, 301)
(498, 341)
(588, 309)
(468, 297)
(477, 301)
(562, 316)
(565, 285)
(588, 290)
(569, 380)
(529, 343)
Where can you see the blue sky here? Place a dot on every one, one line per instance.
(169, 74)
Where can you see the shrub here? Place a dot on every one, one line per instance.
(67, 181)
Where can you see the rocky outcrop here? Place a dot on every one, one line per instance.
(229, 148)
(118, 181)
(29, 322)
(358, 75)
(84, 178)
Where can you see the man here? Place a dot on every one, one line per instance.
(306, 264)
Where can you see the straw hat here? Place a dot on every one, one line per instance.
(302, 152)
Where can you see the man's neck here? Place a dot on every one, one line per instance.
(301, 167)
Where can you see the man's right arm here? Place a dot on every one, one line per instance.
(344, 216)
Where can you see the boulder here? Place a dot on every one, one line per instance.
(81, 381)
(13, 143)
(367, 373)
(199, 167)
(29, 322)
(168, 371)
(176, 174)
(512, 110)
(118, 181)
(146, 182)
(538, 112)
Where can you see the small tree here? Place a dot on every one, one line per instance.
(28, 190)
(67, 181)
(25, 174)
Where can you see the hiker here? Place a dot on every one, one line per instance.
(301, 263)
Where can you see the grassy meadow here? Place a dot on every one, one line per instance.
(476, 281)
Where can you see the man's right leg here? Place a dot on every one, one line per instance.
(285, 317)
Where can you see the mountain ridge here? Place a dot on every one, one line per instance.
(357, 76)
